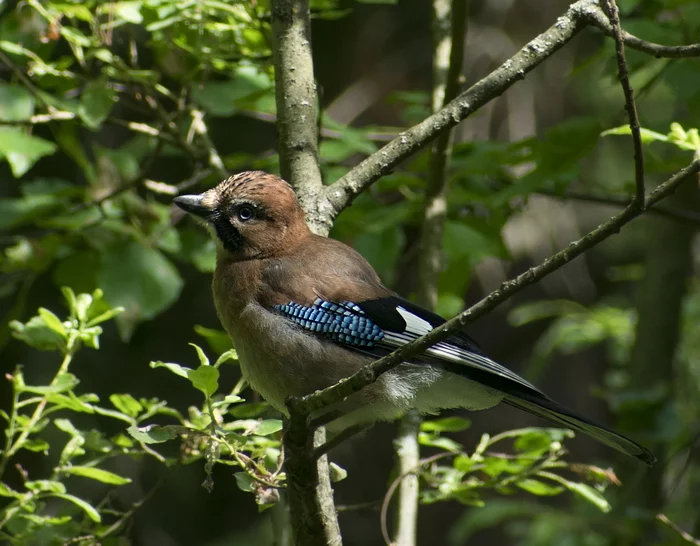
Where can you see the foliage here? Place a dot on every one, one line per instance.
(536, 466)
(248, 442)
(41, 509)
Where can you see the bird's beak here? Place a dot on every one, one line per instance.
(193, 205)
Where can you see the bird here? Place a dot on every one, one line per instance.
(304, 311)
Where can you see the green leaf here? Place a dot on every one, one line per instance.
(127, 404)
(205, 378)
(139, 279)
(97, 474)
(52, 321)
(338, 473)
(227, 400)
(203, 360)
(231, 354)
(225, 98)
(96, 102)
(37, 334)
(36, 445)
(16, 103)
(182, 371)
(218, 340)
(244, 482)
(22, 150)
(71, 300)
(70, 402)
(446, 424)
(463, 463)
(49, 486)
(539, 488)
(64, 382)
(539, 439)
(103, 317)
(646, 135)
(154, 434)
(5, 491)
(16, 212)
(495, 466)
(129, 11)
(432, 440)
(268, 426)
(66, 426)
(91, 512)
(583, 490)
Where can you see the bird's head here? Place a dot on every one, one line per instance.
(253, 215)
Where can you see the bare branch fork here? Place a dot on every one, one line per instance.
(579, 15)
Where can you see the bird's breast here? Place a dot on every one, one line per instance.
(280, 360)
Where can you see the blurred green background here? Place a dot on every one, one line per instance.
(109, 109)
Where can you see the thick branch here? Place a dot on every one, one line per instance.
(630, 106)
(313, 516)
(508, 289)
(297, 104)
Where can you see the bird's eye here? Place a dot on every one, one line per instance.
(245, 213)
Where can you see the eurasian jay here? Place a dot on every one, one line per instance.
(305, 311)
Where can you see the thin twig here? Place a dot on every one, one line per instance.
(630, 106)
(678, 214)
(683, 534)
(597, 17)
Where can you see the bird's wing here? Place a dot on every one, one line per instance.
(379, 326)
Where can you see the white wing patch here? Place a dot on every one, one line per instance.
(414, 324)
(416, 327)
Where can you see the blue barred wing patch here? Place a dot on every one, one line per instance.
(341, 322)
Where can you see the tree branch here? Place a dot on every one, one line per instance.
(313, 516)
(340, 194)
(630, 106)
(579, 15)
(596, 17)
(677, 213)
(297, 106)
(449, 30)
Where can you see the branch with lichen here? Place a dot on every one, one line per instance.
(312, 509)
(297, 106)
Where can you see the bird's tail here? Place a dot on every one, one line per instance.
(550, 410)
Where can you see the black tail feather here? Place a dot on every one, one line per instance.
(550, 410)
